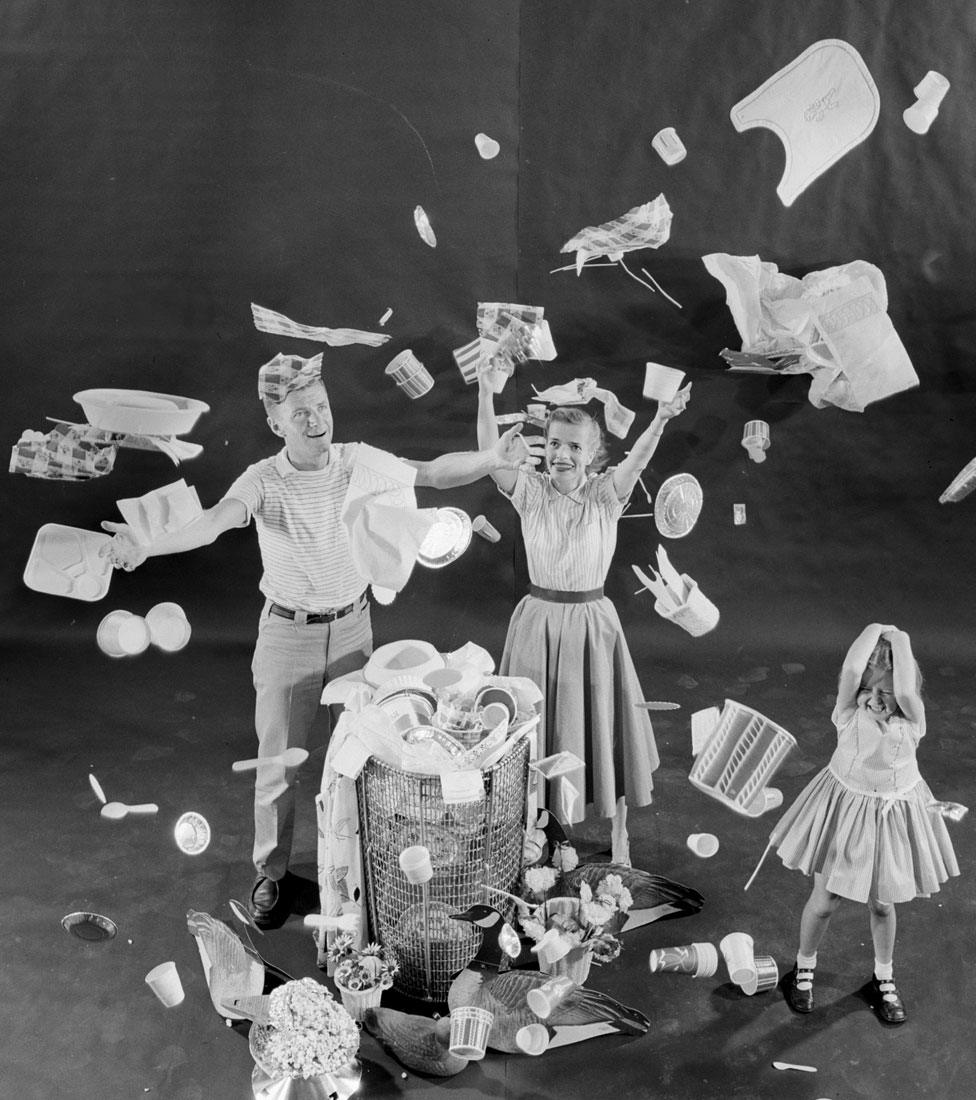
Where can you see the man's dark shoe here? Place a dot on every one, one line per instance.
(887, 1005)
(798, 990)
(264, 900)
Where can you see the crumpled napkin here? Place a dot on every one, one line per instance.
(645, 226)
(583, 390)
(834, 321)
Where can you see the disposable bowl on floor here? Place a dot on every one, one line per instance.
(122, 634)
(169, 628)
(92, 927)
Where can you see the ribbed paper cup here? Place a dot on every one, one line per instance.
(766, 977)
(470, 1028)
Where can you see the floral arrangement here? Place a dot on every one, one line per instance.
(580, 922)
(310, 1033)
(359, 969)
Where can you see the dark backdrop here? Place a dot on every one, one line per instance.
(167, 164)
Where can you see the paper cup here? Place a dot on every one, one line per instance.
(668, 146)
(737, 950)
(704, 845)
(487, 147)
(168, 626)
(122, 634)
(755, 439)
(470, 1028)
(410, 374)
(548, 996)
(766, 976)
(164, 981)
(532, 1039)
(416, 865)
(551, 948)
(481, 526)
(662, 383)
(700, 960)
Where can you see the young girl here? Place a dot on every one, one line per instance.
(566, 635)
(861, 826)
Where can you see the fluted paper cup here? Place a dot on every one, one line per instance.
(470, 1028)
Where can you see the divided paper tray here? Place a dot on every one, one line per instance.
(740, 758)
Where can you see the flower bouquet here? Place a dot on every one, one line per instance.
(570, 933)
(361, 974)
(310, 1036)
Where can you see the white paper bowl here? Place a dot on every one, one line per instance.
(140, 412)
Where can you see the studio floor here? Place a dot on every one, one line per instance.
(79, 1021)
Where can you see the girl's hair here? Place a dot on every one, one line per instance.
(575, 415)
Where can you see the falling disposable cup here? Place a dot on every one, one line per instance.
(122, 634)
(662, 383)
(755, 439)
(700, 960)
(470, 1027)
(192, 833)
(487, 147)
(930, 91)
(482, 527)
(415, 864)
(543, 999)
(737, 950)
(410, 374)
(668, 146)
(164, 981)
(766, 976)
(532, 1039)
(168, 626)
(704, 845)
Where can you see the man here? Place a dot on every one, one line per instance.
(315, 623)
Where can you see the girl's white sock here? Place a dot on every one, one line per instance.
(806, 962)
(883, 971)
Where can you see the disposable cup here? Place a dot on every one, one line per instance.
(169, 628)
(668, 146)
(704, 845)
(662, 383)
(481, 526)
(416, 865)
(700, 960)
(755, 439)
(766, 976)
(164, 981)
(470, 1028)
(410, 374)
(543, 999)
(532, 1039)
(737, 950)
(122, 634)
(551, 948)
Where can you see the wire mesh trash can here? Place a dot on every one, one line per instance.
(470, 844)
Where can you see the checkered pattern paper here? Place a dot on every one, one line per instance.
(646, 226)
(66, 453)
(279, 325)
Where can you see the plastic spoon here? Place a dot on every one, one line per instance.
(291, 758)
(97, 788)
(115, 811)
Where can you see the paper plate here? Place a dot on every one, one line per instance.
(677, 506)
(961, 485)
(65, 561)
(192, 833)
(89, 926)
(140, 412)
(447, 539)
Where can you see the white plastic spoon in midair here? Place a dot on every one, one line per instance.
(290, 758)
(115, 811)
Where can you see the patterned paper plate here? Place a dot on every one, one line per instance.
(89, 926)
(447, 540)
(677, 506)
